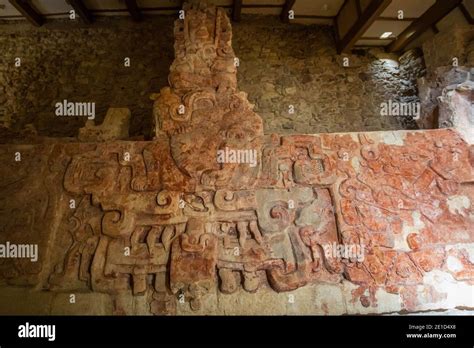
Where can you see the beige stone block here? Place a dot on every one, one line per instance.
(210, 305)
(114, 127)
(23, 301)
(85, 304)
(267, 302)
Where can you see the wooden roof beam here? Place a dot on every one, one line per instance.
(433, 15)
(466, 14)
(237, 10)
(134, 10)
(81, 9)
(365, 20)
(25, 8)
(284, 16)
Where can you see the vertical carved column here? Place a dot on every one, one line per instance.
(202, 110)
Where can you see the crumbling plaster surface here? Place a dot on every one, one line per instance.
(447, 91)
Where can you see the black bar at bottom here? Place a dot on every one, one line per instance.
(291, 330)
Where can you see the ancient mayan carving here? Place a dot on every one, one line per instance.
(166, 216)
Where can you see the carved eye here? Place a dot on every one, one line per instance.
(235, 103)
(237, 134)
(179, 113)
(203, 103)
(209, 50)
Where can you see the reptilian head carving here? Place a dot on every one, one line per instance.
(202, 111)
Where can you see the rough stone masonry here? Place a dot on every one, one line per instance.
(280, 65)
(377, 222)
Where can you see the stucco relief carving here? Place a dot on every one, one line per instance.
(165, 216)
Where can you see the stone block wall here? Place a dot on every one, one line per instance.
(298, 65)
(449, 58)
(280, 65)
(442, 48)
(71, 61)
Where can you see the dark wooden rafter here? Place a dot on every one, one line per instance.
(432, 16)
(341, 8)
(258, 6)
(335, 24)
(359, 8)
(314, 17)
(396, 19)
(336, 31)
(134, 10)
(466, 13)
(284, 16)
(25, 8)
(237, 10)
(368, 16)
(81, 9)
